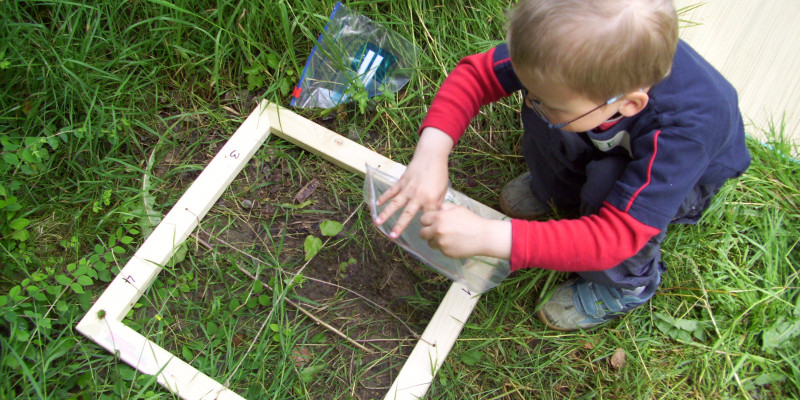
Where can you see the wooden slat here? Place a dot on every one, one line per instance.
(103, 321)
(328, 144)
(149, 358)
(435, 344)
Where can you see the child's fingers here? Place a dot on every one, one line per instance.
(388, 194)
(397, 203)
(405, 218)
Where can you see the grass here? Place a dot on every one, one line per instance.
(91, 91)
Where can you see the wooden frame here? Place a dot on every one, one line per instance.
(103, 323)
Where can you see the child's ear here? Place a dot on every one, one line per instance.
(633, 102)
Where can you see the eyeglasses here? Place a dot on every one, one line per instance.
(537, 108)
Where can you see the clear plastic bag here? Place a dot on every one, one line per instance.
(353, 54)
(478, 274)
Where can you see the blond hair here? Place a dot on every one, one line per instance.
(598, 48)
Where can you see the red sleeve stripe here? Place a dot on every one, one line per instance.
(505, 60)
(649, 172)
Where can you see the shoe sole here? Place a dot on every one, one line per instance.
(506, 209)
(547, 323)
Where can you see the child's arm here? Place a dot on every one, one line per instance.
(477, 80)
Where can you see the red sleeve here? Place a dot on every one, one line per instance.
(470, 85)
(591, 243)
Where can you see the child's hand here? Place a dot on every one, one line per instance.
(424, 183)
(459, 233)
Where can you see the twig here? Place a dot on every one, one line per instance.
(639, 353)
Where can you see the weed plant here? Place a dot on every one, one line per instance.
(109, 109)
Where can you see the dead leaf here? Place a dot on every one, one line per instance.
(306, 191)
(618, 359)
(238, 339)
(588, 345)
(300, 356)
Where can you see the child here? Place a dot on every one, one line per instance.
(623, 123)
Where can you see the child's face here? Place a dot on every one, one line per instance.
(558, 104)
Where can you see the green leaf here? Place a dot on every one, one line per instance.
(126, 373)
(53, 142)
(471, 357)
(187, 354)
(32, 141)
(779, 334)
(255, 81)
(318, 338)
(212, 328)
(19, 223)
(10, 204)
(29, 156)
(77, 288)
(21, 236)
(312, 246)
(84, 280)
(769, 378)
(677, 328)
(180, 253)
(330, 228)
(63, 280)
(307, 374)
(44, 323)
(22, 335)
(285, 86)
(274, 327)
(14, 291)
(104, 276)
(272, 60)
(11, 158)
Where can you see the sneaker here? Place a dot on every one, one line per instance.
(517, 201)
(580, 304)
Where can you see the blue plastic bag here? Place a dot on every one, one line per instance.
(353, 55)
